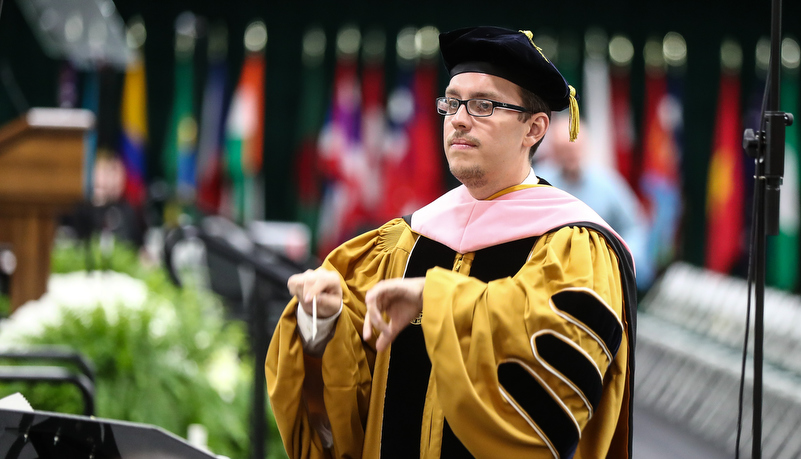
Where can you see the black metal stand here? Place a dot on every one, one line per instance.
(261, 279)
(767, 148)
(259, 339)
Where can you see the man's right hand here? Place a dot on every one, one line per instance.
(322, 283)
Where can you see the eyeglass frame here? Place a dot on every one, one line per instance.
(495, 104)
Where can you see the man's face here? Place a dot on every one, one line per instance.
(109, 180)
(486, 153)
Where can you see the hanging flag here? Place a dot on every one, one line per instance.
(725, 193)
(414, 148)
(753, 120)
(568, 59)
(310, 120)
(675, 52)
(597, 100)
(621, 52)
(209, 161)
(133, 138)
(374, 128)
(67, 86)
(340, 149)
(244, 132)
(660, 179)
(783, 252)
(397, 164)
(424, 131)
(180, 149)
(90, 100)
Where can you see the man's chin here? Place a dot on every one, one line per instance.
(471, 177)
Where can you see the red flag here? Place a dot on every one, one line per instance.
(624, 124)
(251, 84)
(212, 125)
(396, 168)
(341, 158)
(373, 137)
(724, 202)
(416, 143)
(659, 183)
(425, 137)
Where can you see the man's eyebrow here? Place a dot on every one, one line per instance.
(476, 95)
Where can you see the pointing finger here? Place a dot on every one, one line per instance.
(376, 319)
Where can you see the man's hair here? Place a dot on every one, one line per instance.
(534, 104)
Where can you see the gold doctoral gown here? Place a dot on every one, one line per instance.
(531, 364)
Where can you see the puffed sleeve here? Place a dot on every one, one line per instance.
(331, 394)
(525, 364)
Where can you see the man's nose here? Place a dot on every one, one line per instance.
(461, 117)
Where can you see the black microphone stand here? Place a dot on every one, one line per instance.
(767, 148)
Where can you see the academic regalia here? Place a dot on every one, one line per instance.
(523, 348)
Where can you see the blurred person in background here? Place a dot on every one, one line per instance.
(494, 322)
(569, 166)
(107, 214)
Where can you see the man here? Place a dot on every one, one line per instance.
(487, 324)
(569, 166)
(108, 213)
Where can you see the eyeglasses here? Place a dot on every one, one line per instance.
(475, 107)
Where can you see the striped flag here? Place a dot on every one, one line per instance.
(597, 100)
(397, 161)
(415, 146)
(134, 135)
(340, 149)
(212, 117)
(660, 180)
(374, 128)
(181, 146)
(310, 119)
(244, 136)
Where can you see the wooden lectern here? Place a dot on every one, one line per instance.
(41, 177)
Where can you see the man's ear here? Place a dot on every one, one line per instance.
(538, 126)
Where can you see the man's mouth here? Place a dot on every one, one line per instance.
(462, 141)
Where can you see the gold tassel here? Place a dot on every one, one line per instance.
(574, 114)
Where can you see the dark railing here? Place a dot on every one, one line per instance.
(83, 379)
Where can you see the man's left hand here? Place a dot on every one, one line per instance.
(401, 300)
